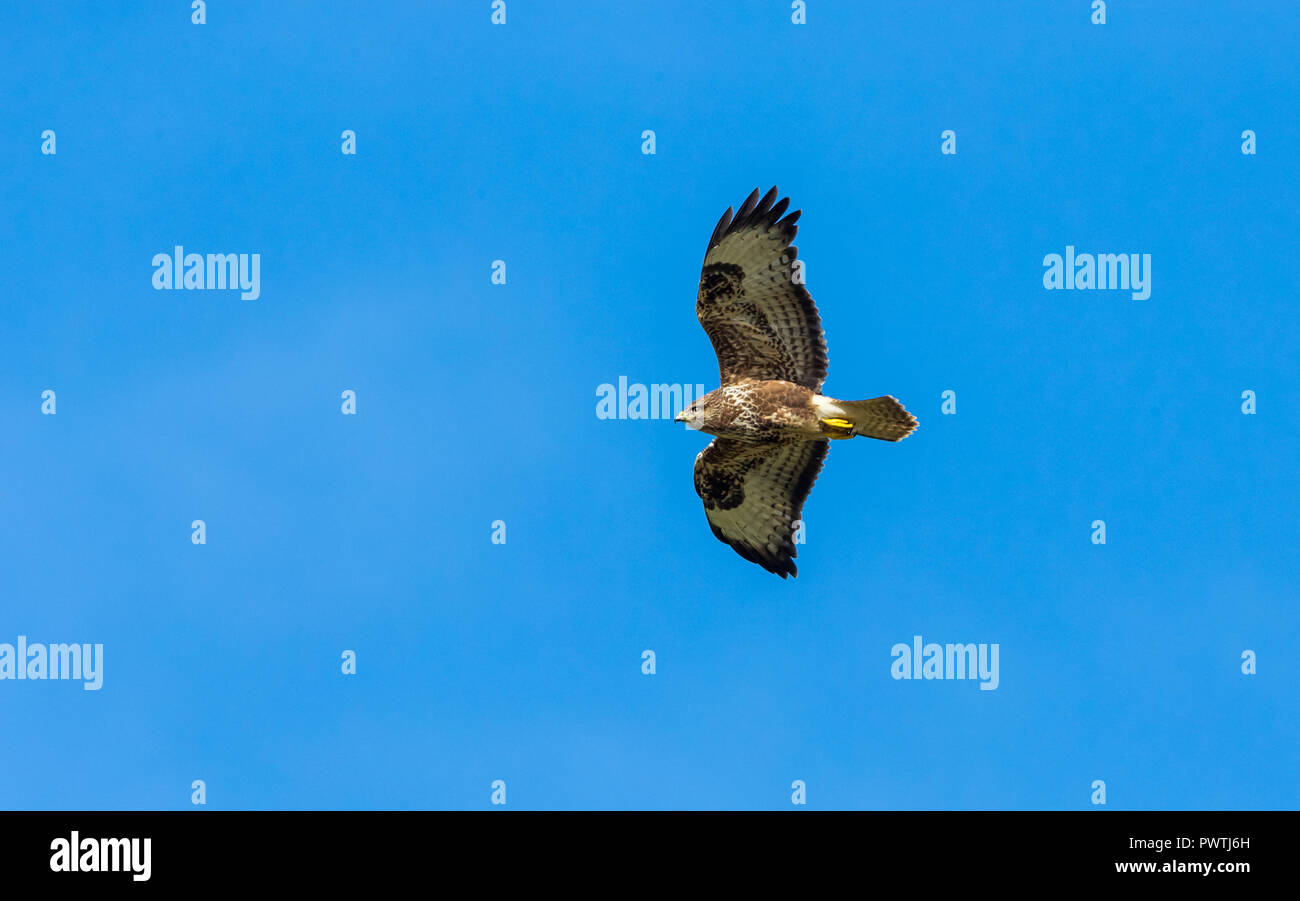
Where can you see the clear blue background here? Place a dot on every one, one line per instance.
(477, 402)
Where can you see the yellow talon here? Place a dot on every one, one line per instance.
(838, 428)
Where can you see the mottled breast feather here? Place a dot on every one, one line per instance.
(762, 324)
(753, 493)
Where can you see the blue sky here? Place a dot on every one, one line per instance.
(476, 402)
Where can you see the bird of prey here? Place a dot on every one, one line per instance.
(772, 425)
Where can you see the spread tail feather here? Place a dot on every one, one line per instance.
(880, 417)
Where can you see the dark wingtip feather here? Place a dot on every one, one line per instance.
(757, 212)
(746, 208)
(721, 228)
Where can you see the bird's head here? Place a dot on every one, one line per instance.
(693, 414)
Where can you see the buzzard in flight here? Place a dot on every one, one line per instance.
(771, 422)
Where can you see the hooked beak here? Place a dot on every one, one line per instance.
(680, 417)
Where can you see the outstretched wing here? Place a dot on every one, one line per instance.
(753, 493)
(763, 324)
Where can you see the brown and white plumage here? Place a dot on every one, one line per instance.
(762, 322)
(753, 494)
(771, 421)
